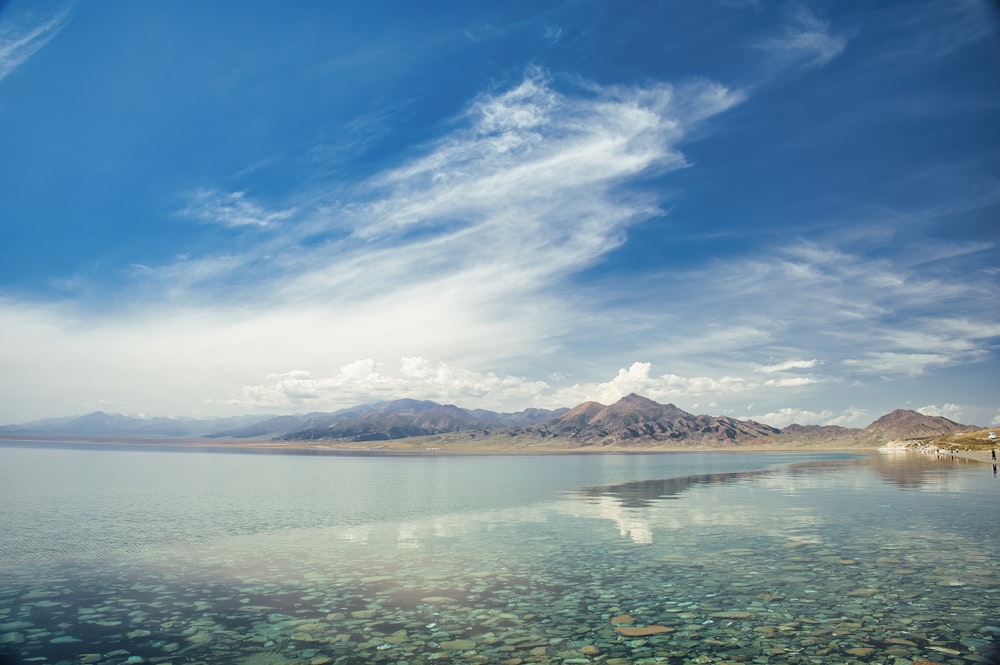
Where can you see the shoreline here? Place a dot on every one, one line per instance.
(982, 456)
(403, 448)
(424, 448)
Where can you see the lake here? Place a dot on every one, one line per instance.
(146, 554)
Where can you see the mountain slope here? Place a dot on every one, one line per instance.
(906, 424)
(100, 424)
(633, 421)
(408, 418)
(637, 421)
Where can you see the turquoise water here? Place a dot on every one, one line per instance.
(125, 556)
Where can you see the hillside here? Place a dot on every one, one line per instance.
(637, 421)
(406, 418)
(906, 424)
(633, 422)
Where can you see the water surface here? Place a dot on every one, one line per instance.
(127, 556)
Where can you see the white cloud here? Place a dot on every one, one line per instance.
(365, 380)
(936, 29)
(553, 34)
(950, 411)
(786, 416)
(787, 365)
(884, 363)
(368, 380)
(806, 40)
(528, 191)
(873, 317)
(783, 417)
(232, 209)
(463, 255)
(666, 387)
(22, 38)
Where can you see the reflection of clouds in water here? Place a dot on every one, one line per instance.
(908, 470)
(644, 511)
(407, 538)
(793, 484)
(639, 524)
(355, 534)
(631, 523)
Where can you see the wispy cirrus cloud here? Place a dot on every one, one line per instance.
(24, 36)
(942, 27)
(529, 188)
(873, 315)
(464, 247)
(806, 40)
(553, 34)
(787, 365)
(232, 209)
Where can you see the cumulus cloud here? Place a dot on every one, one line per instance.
(366, 380)
(24, 36)
(950, 411)
(783, 417)
(806, 40)
(667, 387)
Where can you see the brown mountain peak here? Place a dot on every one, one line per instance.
(904, 423)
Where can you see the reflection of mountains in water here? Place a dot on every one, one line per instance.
(908, 472)
(914, 470)
(644, 493)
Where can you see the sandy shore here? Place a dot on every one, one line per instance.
(438, 447)
(419, 446)
(977, 455)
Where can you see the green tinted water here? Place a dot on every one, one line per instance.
(127, 557)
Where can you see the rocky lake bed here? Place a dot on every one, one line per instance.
(854, 559)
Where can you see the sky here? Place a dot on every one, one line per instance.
(784, 211)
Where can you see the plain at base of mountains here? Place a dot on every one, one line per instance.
(633, 422)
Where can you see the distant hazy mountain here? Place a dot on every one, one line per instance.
(635, 421)
(272, 427)
(116, 425)
(404, 418)
(632, 421)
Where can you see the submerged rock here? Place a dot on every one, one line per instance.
(642, 631)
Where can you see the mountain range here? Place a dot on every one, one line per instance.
(633, 421)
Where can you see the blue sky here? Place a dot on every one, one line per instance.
(785, 211)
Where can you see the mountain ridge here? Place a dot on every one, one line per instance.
(633, 421)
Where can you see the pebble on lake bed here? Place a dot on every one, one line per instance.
(642, 631)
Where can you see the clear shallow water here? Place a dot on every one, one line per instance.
(112, 556)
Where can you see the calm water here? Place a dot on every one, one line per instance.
(127, 556)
